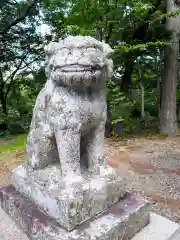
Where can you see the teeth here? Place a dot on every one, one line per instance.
(73, 69)
(78, 69)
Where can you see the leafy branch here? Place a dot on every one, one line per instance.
(158, 16)
(140, 47)
(19, 19)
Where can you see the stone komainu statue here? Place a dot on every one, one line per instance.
(70, 112)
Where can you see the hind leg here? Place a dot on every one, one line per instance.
(41, 149)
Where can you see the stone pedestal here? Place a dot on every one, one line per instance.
(70, 205)
(97, 208)
(121, 221)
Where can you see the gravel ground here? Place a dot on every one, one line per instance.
(152, 169)
(149, 167)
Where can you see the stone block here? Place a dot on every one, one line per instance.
(120, 221)
(68, 205)
(176, 235)
(159, 228)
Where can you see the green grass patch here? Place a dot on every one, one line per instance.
(11, 143)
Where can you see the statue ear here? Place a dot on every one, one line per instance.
(51, 48)
(107, 49)
(47, 49)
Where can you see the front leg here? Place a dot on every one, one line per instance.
(68, 144)
(95, 148)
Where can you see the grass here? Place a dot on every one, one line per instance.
(12, 143)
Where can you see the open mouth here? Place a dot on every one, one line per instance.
(78, 68)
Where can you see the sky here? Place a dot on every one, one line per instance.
(44, 29)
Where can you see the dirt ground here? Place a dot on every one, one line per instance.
(149, 167)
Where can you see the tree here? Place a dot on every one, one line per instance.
(20, 44)
(168, 119)
(136, 29)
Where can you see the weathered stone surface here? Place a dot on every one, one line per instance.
(69, 205)
(120, 222)
(70, 112)
(66, 174)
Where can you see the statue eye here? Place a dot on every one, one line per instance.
(90, 50)
(64, 52)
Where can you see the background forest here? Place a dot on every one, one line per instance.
(144, 91)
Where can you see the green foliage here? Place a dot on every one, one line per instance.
(140, 47)
(119, 104)
(20, 108)
(135, 29)
(20, 55)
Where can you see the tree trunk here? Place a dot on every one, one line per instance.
(2, 95)
(127, 76)
(168, 119)
(158, 95)
(159, 73)
(142, 101)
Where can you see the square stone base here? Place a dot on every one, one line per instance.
(69, 205)
(120, 222)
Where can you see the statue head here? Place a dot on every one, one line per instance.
(79, 61)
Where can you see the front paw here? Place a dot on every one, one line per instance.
(74, 180)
